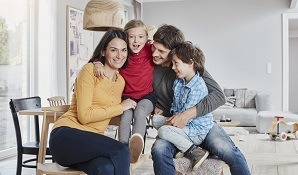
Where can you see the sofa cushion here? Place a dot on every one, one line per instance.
(231, 92)
(246, 116)
(230, 102)
(245, 98)
(250, 101)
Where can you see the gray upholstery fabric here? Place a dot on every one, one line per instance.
(246, 116)
(230, 102)
(229, 92)
(240, 97)
(249, 101)
(252, 102)
(245, 98)
(263, 101)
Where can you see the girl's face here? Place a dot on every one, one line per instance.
(182, 70)
(116, 53)
(137, 38)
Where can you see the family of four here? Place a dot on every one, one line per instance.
(130, 77)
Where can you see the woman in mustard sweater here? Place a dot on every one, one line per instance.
(77, 139)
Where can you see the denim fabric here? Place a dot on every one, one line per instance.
(220, 144)
(162, 153)
(216, 142)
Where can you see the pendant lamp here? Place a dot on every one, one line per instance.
(101, 15)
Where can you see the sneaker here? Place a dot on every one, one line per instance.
(136, 146)
(197, 157)
(179, 155)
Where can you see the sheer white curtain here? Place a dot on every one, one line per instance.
(137, 9)
(47, 49)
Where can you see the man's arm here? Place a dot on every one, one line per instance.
(213, 100)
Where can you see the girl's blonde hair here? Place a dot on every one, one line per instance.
(135, 23)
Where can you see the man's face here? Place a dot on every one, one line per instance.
(160, 54)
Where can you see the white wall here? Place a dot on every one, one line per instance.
(61, 37)
(238, 38)
(293, 85)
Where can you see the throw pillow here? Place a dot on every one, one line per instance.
(240, 97)
(250, 101)
(230, 103)
(245, 98)
(231, 92)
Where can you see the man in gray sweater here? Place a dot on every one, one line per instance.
(217, 141)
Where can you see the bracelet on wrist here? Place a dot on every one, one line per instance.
(98, 62)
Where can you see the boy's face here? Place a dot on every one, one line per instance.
(137, 38)
(182, 70)
(160, 54)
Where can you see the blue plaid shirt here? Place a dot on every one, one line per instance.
(187, 96)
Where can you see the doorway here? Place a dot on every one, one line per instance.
(290, 61)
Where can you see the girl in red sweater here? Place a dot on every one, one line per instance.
(138, 77)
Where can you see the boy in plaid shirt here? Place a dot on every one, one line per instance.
(189, 89)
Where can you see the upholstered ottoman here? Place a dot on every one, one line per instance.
(265, 118)
(212, 165)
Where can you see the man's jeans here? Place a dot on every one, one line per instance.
(216, 142)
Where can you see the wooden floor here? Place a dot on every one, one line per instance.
(280, 165)
(267, 157)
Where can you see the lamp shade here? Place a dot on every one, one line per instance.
(151, 29)
(101, 15)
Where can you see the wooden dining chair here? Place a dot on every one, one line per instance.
(51, 114)
(29, 148)
(57, 101)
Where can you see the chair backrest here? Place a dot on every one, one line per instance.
(50, 114)
(17, 105)
(57, 101)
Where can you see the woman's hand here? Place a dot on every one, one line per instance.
(99, 70)
(128, 104)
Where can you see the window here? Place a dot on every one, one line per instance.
(14, 65)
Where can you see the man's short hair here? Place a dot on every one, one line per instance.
(169, 36)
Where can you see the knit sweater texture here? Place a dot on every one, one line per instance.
(94, 102)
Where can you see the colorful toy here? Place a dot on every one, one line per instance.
(283, 135)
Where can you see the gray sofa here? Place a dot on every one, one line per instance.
(247, 104)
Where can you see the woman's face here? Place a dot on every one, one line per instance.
(116, 53)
